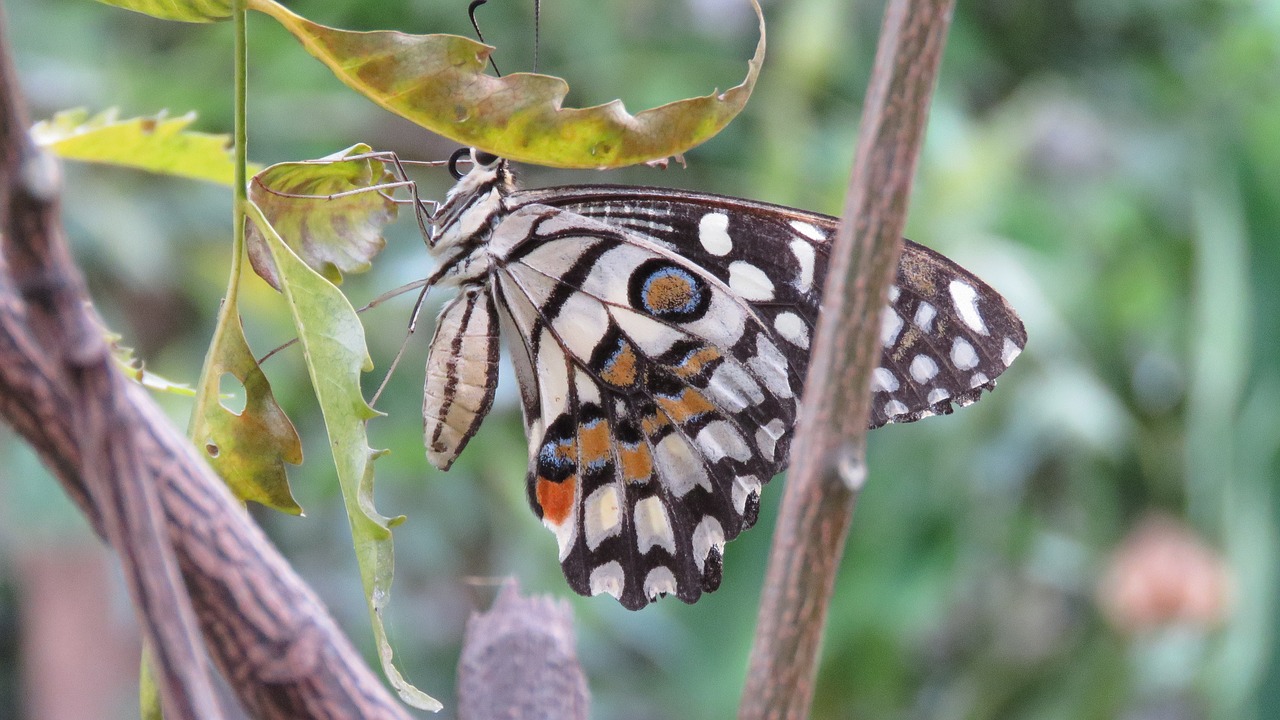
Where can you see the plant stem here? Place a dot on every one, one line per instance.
(828, 466)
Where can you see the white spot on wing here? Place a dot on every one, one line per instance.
(894, 408)
(923, 369)
(890, 326)
(659, 581)
(769, 365)
(809, 230)
(882, 380)
(925, 313)
(790, 326)
(708, 534)
(767, 437)
(653, 528)
(805, 256)
(965, 299)
(963, 355)
(733, 388)
(744, 486)
(937, 395)
(713, 232)
(1009, 352)
(678, 467)
(608, 578)
(750, 282)
(603, 515)
(719, 440)
(979, 379)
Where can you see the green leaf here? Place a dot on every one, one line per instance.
(133, 368)
(248, 450)
(160, 144)
(184, 10)
(327, 210)
(333, 345)
(438, 81)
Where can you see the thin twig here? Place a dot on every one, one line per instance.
(828, 466)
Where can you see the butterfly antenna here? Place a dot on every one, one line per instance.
(413, 318)
(471, 13)
(537, 27)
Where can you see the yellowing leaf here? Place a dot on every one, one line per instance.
(333, 345)
(315, 207)
(248, 450)
(159, 144)
(184, 10)
(438, 81)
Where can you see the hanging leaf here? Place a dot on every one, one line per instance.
(160, 144)
(333, 345)
(249, 449)
(183, 10)
(438, 81)
(326, 210)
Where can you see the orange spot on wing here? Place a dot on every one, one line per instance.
(556, 498)
(689, 405)
(694, 364)
(637, 463)
(651, 424)
(668, 293)
(621, 371)
(593, 443)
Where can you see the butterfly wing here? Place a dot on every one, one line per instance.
(946, 334)
(661, 340)
(657, 401)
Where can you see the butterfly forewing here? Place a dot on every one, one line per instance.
(946, 334)
(660, 339)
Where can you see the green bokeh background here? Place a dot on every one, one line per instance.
(1112, 167)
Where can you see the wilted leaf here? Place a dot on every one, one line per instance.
(159, 144)
(333, 344)
(184, 10)
(333, 230)
(248, 449)
(438, 81)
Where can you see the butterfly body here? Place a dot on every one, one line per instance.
(660, 340)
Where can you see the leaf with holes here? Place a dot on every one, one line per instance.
(327, 210)
(248, 449)
(159, 144)
(438, 81)
(334, 347)
(183, 10)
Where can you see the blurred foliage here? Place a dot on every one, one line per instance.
(1112, 167)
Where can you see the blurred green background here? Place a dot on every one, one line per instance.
(1096, 539)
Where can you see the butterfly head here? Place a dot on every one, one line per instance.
(473, 205)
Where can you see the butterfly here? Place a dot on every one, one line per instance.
(660, 339)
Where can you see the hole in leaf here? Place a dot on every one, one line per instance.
(212, 449)
(231, 393)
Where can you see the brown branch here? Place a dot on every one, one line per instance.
(828, 466)
(144, 487)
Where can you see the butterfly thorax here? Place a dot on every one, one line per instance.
(461, 228)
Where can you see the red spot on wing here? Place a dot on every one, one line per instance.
(556, 498)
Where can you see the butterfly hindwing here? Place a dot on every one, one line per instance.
(677, 372)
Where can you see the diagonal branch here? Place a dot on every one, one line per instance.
(192, 556)
(828, 458)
